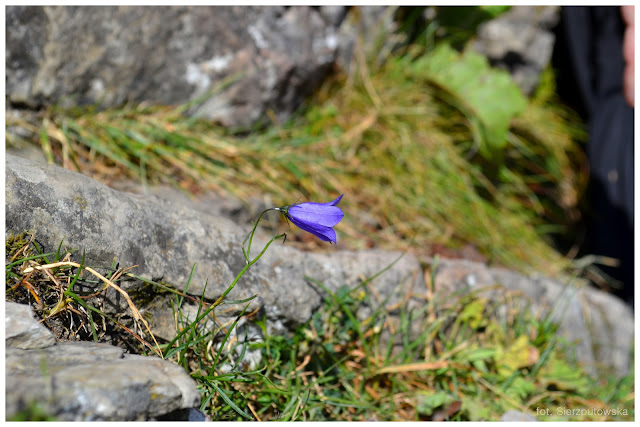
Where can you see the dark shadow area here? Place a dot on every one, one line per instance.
(589, 66)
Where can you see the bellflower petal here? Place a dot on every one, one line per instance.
(327, 234)
(336, 201)
(316, 218)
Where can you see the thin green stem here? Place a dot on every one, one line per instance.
(249, 237)
(248, 264)
(245, 268)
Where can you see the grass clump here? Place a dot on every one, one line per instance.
(472, 359)
(69, 297)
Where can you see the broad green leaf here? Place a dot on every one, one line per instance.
(519, 355)
(487, 96)
(473, 313)
(558, 373)
(427, 403)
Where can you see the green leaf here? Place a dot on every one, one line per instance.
(519, 355)
(230, 402)
(487, 96)
(521, 388)
(494, 11)
(427, 403)
(476, 356)
(558, 373)
(472, 313)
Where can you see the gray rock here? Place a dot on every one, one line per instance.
(170, 55)
(166, 239)
(600, 325)
(520, 41)
(333, 15)
(611, 328)
(22, 330)
(82, 381)
(372, 28)
(512, 415)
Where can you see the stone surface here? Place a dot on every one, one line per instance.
(600, 325)
(165, 239)
(239, 65)
(171, 55)
(22, 330)
(520, 41)
(514, 416)
(83, 381)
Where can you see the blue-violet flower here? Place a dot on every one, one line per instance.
(316, 218)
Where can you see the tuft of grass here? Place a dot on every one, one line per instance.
(460, 357)
(33, 412)
(69, 297)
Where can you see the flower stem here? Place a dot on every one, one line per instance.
(248, 263)
(250, 237)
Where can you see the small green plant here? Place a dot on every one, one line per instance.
(359, 358)
(32, 412)
(66, 295)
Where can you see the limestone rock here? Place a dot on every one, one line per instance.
(521, 41)
(95, 382)
(166, 239)
(84, 381)
(514, 416)
(171, 55)
(22, 330)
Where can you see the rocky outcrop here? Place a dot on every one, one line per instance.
(165, 239)
(520, 41)
(235, 63)
(85, 381)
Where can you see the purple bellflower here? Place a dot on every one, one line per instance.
(316, 218)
